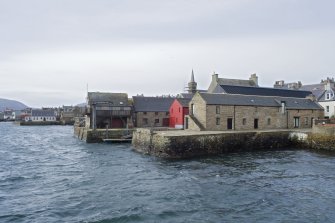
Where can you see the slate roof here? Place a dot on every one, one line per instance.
(262, 101)
(317, 89)
(190, 95)
(322, 97)
(261, 91)
(184, 101)
(116, 99)
(235, 82)
(42, 113)
(152, 104)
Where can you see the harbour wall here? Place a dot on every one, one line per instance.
(23, 123)
(184, 144)
(96, 136)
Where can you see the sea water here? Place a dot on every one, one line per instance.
(48, 175)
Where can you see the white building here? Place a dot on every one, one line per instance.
(324, 93)
(327, 100)
(38, 115)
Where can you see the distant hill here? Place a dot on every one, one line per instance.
(11, 104)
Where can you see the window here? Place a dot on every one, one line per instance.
(167, 113)
(296, 122)
(217, 121)
(179, 109)
(269, 121)
(306, 120)
(327, 108)
(156, 113)
(192, 109)
(144, 113)
(217, 109)
(145, 121)
(244, 121)
(156, 121)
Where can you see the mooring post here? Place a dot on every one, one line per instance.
(94, 114)
(106, 136)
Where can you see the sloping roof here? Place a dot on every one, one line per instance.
(190, 95)
(264, 101)
(231, 99)
(152, 104)
(184, 101)
(300, 103)
(116, 99)
(261, 91)
(236, 82)
(42, 113)
(317, 89)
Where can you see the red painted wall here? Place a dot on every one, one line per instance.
(177, 114)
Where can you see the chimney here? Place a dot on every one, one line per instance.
(215, 77)
(283, 107)
(311, 97)
(254, 78)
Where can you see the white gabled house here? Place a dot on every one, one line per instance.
(39, 115)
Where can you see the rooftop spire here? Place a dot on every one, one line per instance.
(192, 76)
(192, 85)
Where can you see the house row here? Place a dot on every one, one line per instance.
(323, 92)
(228, 104)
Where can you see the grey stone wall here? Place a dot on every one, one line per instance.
(186, 146)
(215, 119)
(150, 116)
(96, 136)
(199, 112)
(302, 114)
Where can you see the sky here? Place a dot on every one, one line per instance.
(52, 51)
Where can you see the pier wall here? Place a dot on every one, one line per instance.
(188, 145)
(96, 136)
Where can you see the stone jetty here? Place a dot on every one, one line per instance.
(185, 144)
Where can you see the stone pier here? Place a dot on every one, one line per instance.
(98, 135)
(186, 144)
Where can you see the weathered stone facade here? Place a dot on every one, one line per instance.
(184, 145)
(237, 117)
(151, 119)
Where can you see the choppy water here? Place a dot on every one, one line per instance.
(47, 175)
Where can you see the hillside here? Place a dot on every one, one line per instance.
(11, 104)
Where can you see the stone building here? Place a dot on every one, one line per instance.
(221, 112)
(323, 93)
(152, 111)
(217, 82)
(110, 110)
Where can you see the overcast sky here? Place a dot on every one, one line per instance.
(51, 49)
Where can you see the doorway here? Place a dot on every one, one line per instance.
(229, 123)
(256, 123)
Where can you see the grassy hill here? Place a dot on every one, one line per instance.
(11, 104)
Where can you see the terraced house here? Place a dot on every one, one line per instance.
(152, 111)
(221, 112)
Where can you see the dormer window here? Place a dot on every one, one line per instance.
(329, 96)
